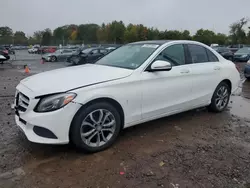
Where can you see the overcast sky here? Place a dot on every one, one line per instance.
(32, 15)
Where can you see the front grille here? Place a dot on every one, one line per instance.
(22, 102)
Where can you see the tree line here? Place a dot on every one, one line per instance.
(118, 33)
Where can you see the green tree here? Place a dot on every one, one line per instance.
(37, 36)
(221, 39)
(46, 37)
(6, 35)
(20, 38)
(102, 34)
(59, 35)
(172, 35)
(185, 35)
(237, 33)
(117, 30)
(205, 36)
(131, 33)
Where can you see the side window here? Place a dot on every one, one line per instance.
(173, 54)
(94, 51)
(198, 53)
(103, 51)
(67, 51)
(212, 57)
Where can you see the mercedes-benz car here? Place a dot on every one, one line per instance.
(89, 105)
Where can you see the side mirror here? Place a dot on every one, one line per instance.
(160, 65)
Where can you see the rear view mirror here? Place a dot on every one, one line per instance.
(160, 65)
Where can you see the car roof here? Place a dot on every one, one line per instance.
(159, 42)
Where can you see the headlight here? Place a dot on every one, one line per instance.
(54, 102)
(244, 56)
(248, 62)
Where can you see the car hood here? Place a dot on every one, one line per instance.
(70, 78)
(241, 54)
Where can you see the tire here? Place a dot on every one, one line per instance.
(215, 105)
(248, 78)
(86, 143)
(53, 59)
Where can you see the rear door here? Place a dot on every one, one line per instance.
(65, 53)
(206, 68)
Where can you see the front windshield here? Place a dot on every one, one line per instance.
(130, 56)
(243, 50)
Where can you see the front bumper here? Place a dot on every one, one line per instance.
(247, 71)
(6, 56)
(46, 58)
(56, 123)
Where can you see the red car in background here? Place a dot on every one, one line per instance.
(4, 52)
(50, 50)
(44, 50)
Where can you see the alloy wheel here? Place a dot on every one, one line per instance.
(98, 128)
(222, 97)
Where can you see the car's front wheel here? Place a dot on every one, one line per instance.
(220, 97)
(53, 59)
(95, 127)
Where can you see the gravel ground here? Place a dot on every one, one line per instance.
(191, 149)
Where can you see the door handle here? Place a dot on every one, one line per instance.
(217, 68)
(185, 71)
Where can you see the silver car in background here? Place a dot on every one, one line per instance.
(58, 55)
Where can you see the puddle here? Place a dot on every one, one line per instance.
(240, 104)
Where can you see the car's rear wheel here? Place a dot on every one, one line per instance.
(220, 97)
(95, 127)
(53, 59)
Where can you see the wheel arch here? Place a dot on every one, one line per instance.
(228, 82)
(111, 101)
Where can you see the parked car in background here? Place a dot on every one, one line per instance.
(235, 47)
(225, 52)
(247, 70)
(58, 55)
(88, 55)
(33, 50)
(214, 45)
(242, 55)
(4, 52)
(10, 49)
(2, 59)
(90, 104)
(110, 49)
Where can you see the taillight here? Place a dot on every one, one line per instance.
(5, 51)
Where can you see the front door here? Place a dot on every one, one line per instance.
(93, 56)
(167, 92)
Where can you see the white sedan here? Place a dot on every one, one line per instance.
(90, 104)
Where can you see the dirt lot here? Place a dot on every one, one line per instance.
(192, 149)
